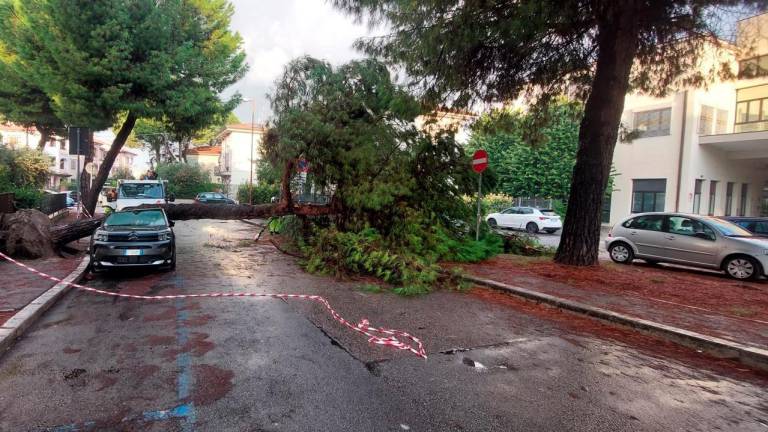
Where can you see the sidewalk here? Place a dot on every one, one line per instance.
(702, 302)
(19, 287)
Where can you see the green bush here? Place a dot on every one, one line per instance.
(186, 181)
(523, 244)
(262, 194)
(23, 172)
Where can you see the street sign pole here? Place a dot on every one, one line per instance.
(79, 192)
(479, 164)
(479, 198)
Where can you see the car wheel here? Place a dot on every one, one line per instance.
(741, 267)
(172, 266)
(621, 253)
(492, 223)
(550, 231)
(532, 228)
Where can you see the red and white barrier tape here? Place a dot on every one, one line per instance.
(392, 338)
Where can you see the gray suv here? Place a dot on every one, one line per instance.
(130, 238)
(691, 240)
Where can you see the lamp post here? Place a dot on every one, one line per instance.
(253, 132)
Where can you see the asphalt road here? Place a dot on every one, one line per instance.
(97, 363)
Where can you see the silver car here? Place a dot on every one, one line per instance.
(691, 240)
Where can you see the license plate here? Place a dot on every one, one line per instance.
(133, 252)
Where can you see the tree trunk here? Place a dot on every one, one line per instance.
(63, 234)
(109, 160)
(44, 136)
(286, 200)
(618, 35)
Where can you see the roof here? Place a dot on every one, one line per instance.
(246, 127)
(205, 151)
(12, 127)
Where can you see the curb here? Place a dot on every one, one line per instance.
(24, 318)
(750, 356)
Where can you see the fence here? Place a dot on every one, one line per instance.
(6, 202)
(53, 202)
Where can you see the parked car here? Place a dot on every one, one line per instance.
(213, 198)
(698, 241)
(755, 225)
(133, 193)
(129, 238)
(528, 218)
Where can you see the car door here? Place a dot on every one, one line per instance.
(648, 236)
(690, 240)
(526, 215)
(506, 217)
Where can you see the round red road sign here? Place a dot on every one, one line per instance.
(480, 161)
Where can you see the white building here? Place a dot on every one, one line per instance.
(240, 154)
(207, 158)
(702, 151)
(63, 165)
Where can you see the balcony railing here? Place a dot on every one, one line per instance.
(756, 126)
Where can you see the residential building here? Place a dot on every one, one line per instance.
(63, 165)
(207, 158)
(700, 150)
(239, 155)
(447, 119)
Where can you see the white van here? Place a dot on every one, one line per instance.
(133, 193)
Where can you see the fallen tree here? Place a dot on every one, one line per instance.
(29, 233)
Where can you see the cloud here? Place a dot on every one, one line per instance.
(274, 32)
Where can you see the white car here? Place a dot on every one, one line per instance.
(133, 193)
(528, 218)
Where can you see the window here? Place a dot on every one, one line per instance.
(697, 196)
(72, 164)
(512, 210)
(61, 163)
(653, 123)
(712, 197)
(526, 210)
(141, 191)
(648, 223)
(62, 144)
(743, 202)
(729, 198)
(690, 227)
(753, 67)
(721, 122)
(751, 115)
(648, 195)
(706, 120)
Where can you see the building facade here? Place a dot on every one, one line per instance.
(239, 155)
(701, 151)
(63, 165)
(207, 158)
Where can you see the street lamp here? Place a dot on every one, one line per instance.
(253, 127)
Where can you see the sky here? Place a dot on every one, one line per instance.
(274, 32)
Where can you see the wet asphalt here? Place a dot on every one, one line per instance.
(99, 363)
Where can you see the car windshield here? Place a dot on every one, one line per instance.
(144, 218)
(141, 190)
(728, 229)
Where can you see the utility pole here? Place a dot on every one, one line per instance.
(253, 127)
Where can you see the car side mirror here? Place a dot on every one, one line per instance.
(171, 223)
(171, 197)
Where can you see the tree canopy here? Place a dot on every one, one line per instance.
(524, 169)
(355, 127)
(461, 51)
(99, 60)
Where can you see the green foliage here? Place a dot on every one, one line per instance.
(184, 180)
(99, 60)
(123, 173)
(522, 244)
(262, 194)
(525, 170)
(23, 172)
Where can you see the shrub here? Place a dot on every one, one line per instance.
(523, 244)
(262, 194)
(184, 180)
(23, 172)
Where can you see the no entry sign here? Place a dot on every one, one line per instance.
(480, 161)
(303, 165)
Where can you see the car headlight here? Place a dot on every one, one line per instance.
(100, 236)
(164, 235)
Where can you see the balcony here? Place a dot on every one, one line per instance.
(740, 145)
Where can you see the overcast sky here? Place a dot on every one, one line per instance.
(275, 32)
